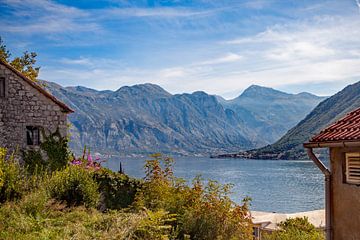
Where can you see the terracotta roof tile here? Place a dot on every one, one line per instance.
(346, 129)
(38, 87)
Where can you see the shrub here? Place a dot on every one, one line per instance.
(74, 186)
(118, 190)
(212, 214)
(202, 212)
(11, 177)
(56, 149)
(34, 162)
(296, 229)
(156, 225)
(54, 154)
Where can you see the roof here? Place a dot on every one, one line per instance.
(347, 129)
(270, 221)
(38, 87)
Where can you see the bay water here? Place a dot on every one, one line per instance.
(284, 186)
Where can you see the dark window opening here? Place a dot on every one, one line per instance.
(32, 135)
(2, 87)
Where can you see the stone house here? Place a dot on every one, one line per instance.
(342, 179)
(26, 109)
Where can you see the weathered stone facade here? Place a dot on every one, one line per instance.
(24, 105)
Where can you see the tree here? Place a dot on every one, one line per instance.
(24, 64)
(296, 229)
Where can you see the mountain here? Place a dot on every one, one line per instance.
(145, 118)
(271, 113)
(326, 113)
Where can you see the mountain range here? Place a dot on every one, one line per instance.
(290, 146)
(143, 119)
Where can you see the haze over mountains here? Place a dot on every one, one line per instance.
(290, 146)
(145, 118)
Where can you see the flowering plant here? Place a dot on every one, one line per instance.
(86, 161)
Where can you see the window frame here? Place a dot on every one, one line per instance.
(2, 87)
(32, 136)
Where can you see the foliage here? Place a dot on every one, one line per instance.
(86, 161)
(163, 207)
(202, 212)
(296, 229)
(74, 186)
(12, 175)
(24, 64)
(212, 215)
(14, 180)
(53, 220)
(34, 162)
(117, 190)
(4, 53)
(157, 225)
(54, 154)
(56, 149)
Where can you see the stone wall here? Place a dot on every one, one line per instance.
(24, 106)
(345, 199)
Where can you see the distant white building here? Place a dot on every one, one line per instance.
(268, 221)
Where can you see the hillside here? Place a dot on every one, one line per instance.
(271, 113)
(144, 118)
(327, 112)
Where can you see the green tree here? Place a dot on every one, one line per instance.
(296, 229)
(24, 64)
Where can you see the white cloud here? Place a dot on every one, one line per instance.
(228, 58)
(154, 12)
(79, 61)
(41, 16)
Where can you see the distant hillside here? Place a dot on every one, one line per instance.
(145, 118)
(327, 112)
(271, 113)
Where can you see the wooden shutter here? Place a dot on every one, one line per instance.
(353, 168)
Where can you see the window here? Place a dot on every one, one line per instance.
(32, 135)
(2, 87)
(353, 168)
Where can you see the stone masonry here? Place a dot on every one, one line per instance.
(26, 104)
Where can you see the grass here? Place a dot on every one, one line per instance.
(56, 221)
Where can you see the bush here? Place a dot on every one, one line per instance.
(54, 154)
(296, 229)
(202, 212)
(74, 186)
(11, 177)
(212, 215)
(117, 190)
(34, 162)
(56, 149)
(156, 225)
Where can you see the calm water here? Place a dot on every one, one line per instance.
(276, 186)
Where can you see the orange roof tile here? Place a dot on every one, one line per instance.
(346, 129)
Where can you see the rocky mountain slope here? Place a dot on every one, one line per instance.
(327, 112)
(271, 113)
(144, 118)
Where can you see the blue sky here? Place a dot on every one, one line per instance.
(217, 46)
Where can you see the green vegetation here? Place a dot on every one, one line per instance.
(85, 201)
(24, 64)
(296, 229)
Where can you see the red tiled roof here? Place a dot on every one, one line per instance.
(38, 87)
(346, 129)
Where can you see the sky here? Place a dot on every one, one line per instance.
(217, 46)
